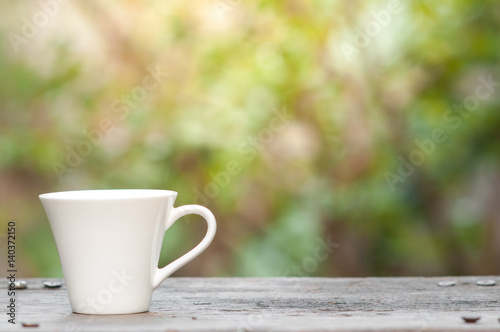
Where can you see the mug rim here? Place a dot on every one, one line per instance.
(107, 194)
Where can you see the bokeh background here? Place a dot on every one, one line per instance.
(364, 124)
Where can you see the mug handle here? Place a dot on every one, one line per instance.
(175, 214)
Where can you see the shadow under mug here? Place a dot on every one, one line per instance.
(109, 244)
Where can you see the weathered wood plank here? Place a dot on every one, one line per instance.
(277, 304)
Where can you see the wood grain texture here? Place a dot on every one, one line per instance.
(276, 304)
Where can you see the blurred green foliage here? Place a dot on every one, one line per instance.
(359, 84)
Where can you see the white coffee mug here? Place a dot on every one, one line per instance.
(109, 244)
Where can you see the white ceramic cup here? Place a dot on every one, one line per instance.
(109, 244)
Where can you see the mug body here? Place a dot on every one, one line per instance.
(109, 243)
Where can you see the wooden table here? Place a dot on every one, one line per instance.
(277, 304)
